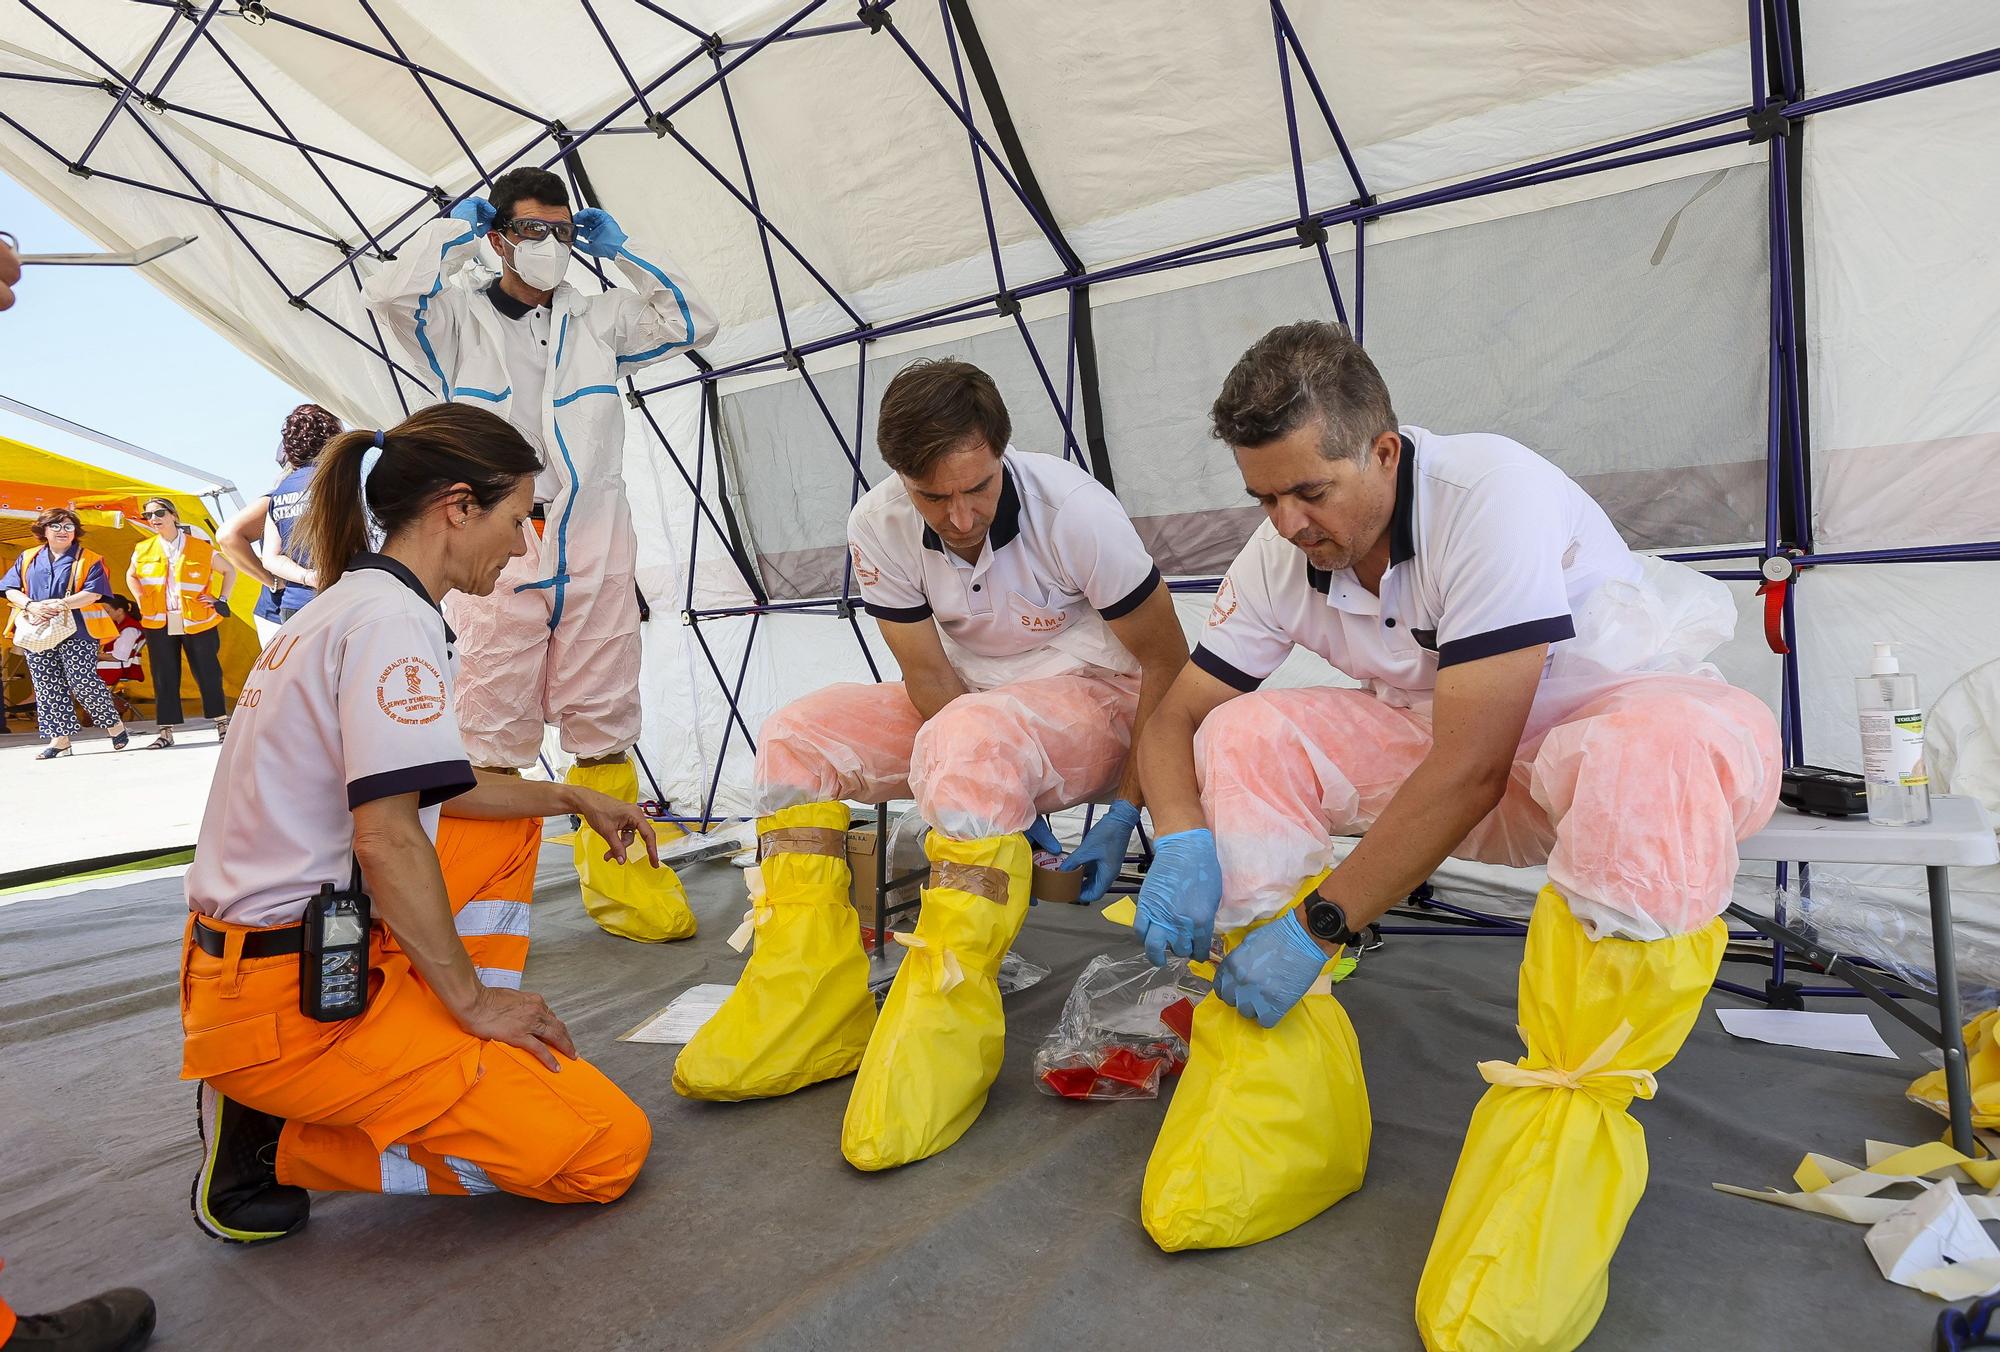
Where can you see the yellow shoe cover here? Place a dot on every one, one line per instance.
(1553, 1164)
(801, 1012)
(1982, 1065)
(937, 1045)
(633, 900)
(1268, 1126)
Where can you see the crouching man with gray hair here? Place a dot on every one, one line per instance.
(1532, 692)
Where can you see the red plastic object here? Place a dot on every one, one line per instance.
(1179, 1016)
(1073, 1082)
(1128, 1067)
(1774, 615)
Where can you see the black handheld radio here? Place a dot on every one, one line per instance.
(333, 961)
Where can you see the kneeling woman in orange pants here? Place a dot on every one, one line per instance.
(449, 1078)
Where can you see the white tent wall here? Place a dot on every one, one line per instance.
(1616, 320)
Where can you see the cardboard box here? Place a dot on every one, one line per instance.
(863, 842)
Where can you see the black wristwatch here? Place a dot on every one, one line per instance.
(1326, 922)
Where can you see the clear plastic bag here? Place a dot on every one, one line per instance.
(719, 843)
(1124, 1027)
(1832, 911)
(1016, 972)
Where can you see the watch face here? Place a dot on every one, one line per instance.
(1324, 920)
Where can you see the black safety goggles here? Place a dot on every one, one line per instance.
(527, 227)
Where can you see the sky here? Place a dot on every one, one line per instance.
(105, 348)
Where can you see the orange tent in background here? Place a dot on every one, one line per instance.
(33, 480)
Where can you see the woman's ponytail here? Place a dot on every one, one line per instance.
(334, 526)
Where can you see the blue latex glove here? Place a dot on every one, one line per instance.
(597, 234)
(476, 212)
(1042, 837)
(1102, 851)
(221, 606)
(1178, 899)
(1271, 970)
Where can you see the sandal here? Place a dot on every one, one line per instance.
(161, 743)
(120, 740)
(221, 729)
(51, 752)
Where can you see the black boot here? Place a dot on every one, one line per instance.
(237, 1197)
(116, 1321)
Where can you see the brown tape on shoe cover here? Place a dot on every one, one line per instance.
(824, 840)
(978, 879)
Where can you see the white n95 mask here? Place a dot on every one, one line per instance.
(541, 263)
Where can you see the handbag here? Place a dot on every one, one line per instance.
(32, 635)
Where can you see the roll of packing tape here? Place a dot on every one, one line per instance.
(1055, 885)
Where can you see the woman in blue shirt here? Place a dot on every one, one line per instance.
(307, 430)
(259, 539)
(55, 576)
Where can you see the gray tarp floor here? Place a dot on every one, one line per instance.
(748, 1230)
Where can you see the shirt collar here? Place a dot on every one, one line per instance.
(1006, 517)
(383, 563)
(1403, 518)
(506, 304)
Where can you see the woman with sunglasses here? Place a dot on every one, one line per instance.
(181, 582)
(55, 576)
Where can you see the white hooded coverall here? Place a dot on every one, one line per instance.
(558, 639)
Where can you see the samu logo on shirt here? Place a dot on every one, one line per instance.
(1037, 617)
(1225, 604)
(410, 690)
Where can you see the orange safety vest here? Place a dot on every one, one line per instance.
(193, 573)
(96, 616)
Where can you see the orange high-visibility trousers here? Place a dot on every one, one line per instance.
(489, 873)
(403, 1100)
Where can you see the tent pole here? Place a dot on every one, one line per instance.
(1288, 32)
(129, 86)
(1313, 234)
(1548, 171)
(105, 439)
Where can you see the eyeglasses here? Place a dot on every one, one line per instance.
(156, 516)
(534, 229)
(59, 528)
(527, 227)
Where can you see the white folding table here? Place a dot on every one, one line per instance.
(1959, 834)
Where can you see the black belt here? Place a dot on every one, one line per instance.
(263, 943)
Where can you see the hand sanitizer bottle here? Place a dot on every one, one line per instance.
(1892, 743)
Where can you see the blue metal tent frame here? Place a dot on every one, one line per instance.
(1775, 115)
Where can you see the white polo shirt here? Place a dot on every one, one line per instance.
(526, 353)
(350, 702)
(1491, 549)
(1060, 559)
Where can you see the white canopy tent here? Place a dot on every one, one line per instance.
(1729, 262)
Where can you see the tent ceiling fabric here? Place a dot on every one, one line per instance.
(1618, 321)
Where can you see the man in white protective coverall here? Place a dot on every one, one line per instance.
(558, 639)
(1532, 692)
(1034, 636)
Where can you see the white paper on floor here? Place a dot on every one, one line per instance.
(1935, 1245)
(688, 1011)
(1854, 1033)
